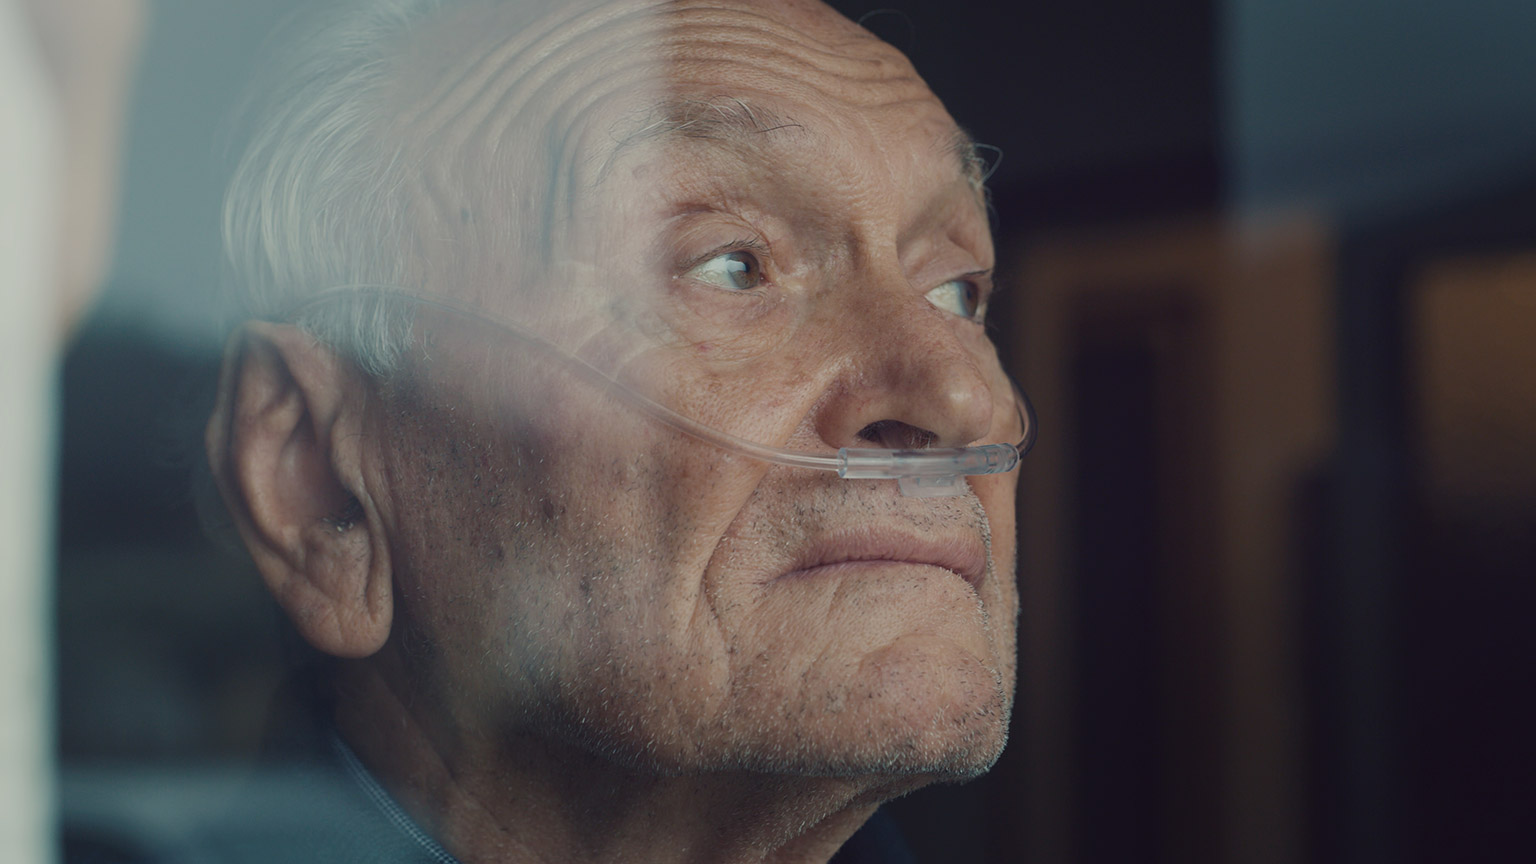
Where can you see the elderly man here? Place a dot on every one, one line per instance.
(511, 488)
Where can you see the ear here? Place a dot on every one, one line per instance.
(284, 443)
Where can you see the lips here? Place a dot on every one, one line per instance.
(964, 556)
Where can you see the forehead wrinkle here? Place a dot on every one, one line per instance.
(543, 78)
(888, 91)
(496, 89)
(697, 57)
(474, 80)
(731, 121)
(608, 60)
(551, 77)
(707, 23)
(502, 84)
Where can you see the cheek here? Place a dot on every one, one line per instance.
(539, 559)
(463, 564)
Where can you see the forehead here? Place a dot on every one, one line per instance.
(586, 82)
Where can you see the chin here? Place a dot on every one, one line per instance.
(930, 709)
(924, 710)
(913, 713)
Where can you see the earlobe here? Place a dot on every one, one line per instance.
(283, 443)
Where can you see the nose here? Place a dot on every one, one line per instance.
(911, 378)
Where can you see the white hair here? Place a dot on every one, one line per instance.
(318, 199)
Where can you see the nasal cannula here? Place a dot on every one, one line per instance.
(932, 472)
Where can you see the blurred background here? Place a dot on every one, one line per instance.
(1270, 279)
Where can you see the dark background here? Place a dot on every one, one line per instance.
(1403, 130)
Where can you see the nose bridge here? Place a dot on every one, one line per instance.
(905, 364)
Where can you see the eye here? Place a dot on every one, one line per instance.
(960, 297)
(731, 271)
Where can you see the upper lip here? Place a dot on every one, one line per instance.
(962, 554)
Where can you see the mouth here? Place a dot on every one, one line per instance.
(963, 556)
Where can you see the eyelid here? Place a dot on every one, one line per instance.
(745, 244)
(982, 278)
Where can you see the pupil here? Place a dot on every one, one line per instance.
(742, 269)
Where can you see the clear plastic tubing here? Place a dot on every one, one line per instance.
(929, 472)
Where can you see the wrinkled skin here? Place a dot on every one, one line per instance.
(601, 638)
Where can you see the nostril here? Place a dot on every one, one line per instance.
(896, 435)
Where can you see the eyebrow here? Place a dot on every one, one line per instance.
(967, 153)
(718, 119)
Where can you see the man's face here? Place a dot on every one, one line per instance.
(760, 218)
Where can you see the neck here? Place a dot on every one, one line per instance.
(526, 796)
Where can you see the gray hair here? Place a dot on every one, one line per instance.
(318, 199)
